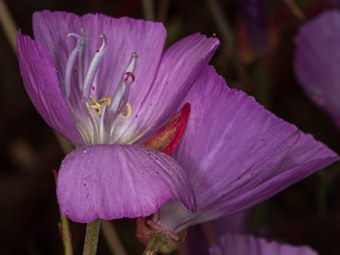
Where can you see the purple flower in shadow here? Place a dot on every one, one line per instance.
(250, 245)
(236, 154)
(317, 61)
(107, 86)
(199, 236)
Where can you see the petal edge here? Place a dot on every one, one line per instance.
(115, 181)
(41, 83)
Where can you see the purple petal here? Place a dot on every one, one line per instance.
(115, 181)
(317, 61)
(179, 68)
(41, 83)
(124, 36)
(238, 154)
(249, 245)
(196, 241)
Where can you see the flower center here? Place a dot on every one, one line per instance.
(94, 117)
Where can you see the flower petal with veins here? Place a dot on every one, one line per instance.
(42, 86)
(237, 153)
(115, 181)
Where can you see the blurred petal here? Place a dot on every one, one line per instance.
(196, 241)
(317, 61)
(41, 83)
(249, 245)
(115, 181)
(237, 154)
(237, 223)
(124, 36)
(179, 68)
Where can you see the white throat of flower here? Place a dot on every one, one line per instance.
(94, 117)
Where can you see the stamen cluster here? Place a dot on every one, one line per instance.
(94, 117)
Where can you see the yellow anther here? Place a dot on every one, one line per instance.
(104, 100)
(128, 108)
(92, 99)
(99, 104)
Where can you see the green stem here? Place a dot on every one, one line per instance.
(112, 238)
(149, 252)
(67, 240)
(155, 243)
(65, 231)
(91, 238)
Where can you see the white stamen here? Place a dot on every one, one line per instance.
(101, 125)
(69, 66)
(93, 68)
(122, 92)
(80, 60)
(96, 124)
(132, 63)
(94, 127)
(85, 51)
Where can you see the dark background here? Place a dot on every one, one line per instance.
(306, 213)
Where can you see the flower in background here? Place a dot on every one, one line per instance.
(82, 75)
(317, 61)
(236, 154)
(250, 245)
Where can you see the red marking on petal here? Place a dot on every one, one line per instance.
(167, 139)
